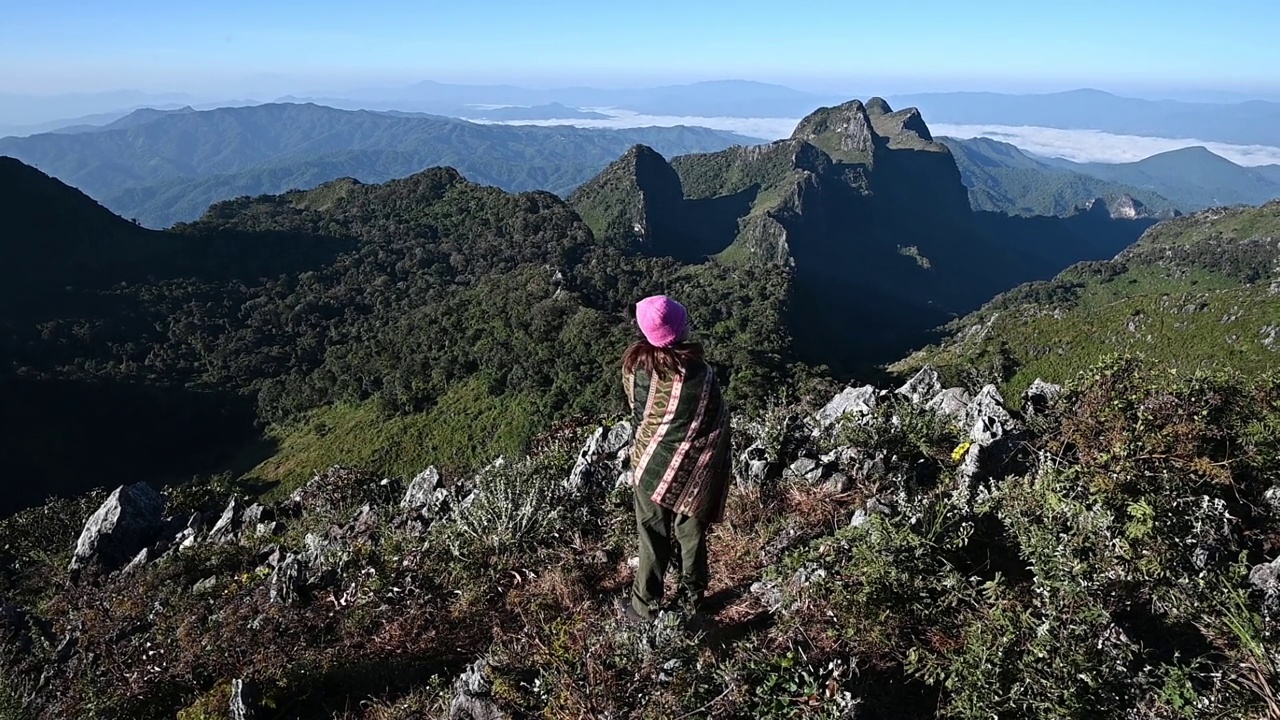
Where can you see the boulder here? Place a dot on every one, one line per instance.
(421, 490)
(850, 401)
(986, 418)
(805, 469)
(472, 698)
(138, 561)
(227, 529)
(205, 586)
(952, 403)
(925, 385)
(243, 701)
(1038, 397)
(127, 521)
(755, 460)
(286, 579)
(601, 457)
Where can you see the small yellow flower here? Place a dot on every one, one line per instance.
(961, 449)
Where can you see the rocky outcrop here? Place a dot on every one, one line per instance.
(603, 459)
(855, 401)
(473, 695)
(924, 386)
(843, 131)
(127, 522)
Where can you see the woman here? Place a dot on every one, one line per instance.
(680, 457)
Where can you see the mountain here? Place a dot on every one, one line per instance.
(1246, 123)
(550, 111)
(1198, 291)
(862, 205)
(437, 517)
(167, 167)
(141, 116)
(1003, 178)
(719, 98)
(428, 302)
(1195, 178)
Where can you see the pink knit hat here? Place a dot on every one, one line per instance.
(663, 321)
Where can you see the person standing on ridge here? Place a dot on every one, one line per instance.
(680, 456)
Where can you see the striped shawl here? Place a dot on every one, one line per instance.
(681, 455)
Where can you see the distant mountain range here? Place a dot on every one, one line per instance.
(1193, 178)
(1005, 178)
(1249, 122)
(163, 167)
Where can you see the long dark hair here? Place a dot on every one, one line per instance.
(661, 362)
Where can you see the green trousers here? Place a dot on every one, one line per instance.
(665, 536)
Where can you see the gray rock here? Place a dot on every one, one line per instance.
(874, 506)
(805, 469)
(756, 461)
(421, 490)
(286, 580)
(254, 514)
(243, 701)
(601, 457)
(138, 561)
(952, 403)
(227, 528)
(987, 418)
(839, 482)
(269, 529)
(1272, 496)
(1038, 397)
(850, 401)
(619, 437)
(925, 385)
(769, 593)
(1271, 337)
(127, 521)
(205, 586)
(1266, 578)
(472, 699)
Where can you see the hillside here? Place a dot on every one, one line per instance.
(1194, 178)
(1003, 178)
(424, 295)
(1202, 291)
(863, 206)
(165, 167)
(436, 521)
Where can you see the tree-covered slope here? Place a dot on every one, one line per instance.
(174, 165)
(1201, 291)
(1002, 178)
(409, 296)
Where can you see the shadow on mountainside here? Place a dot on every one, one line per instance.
(66, 437)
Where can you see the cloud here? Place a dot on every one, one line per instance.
(763, 128)
(1077, 145)
(1098, 146)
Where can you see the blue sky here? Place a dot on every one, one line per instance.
(229, 46)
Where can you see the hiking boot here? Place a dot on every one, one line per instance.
(629, 613)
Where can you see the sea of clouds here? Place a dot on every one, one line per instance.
(1075, 145)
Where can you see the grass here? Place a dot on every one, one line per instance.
(1194, 294)
(466, 429)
